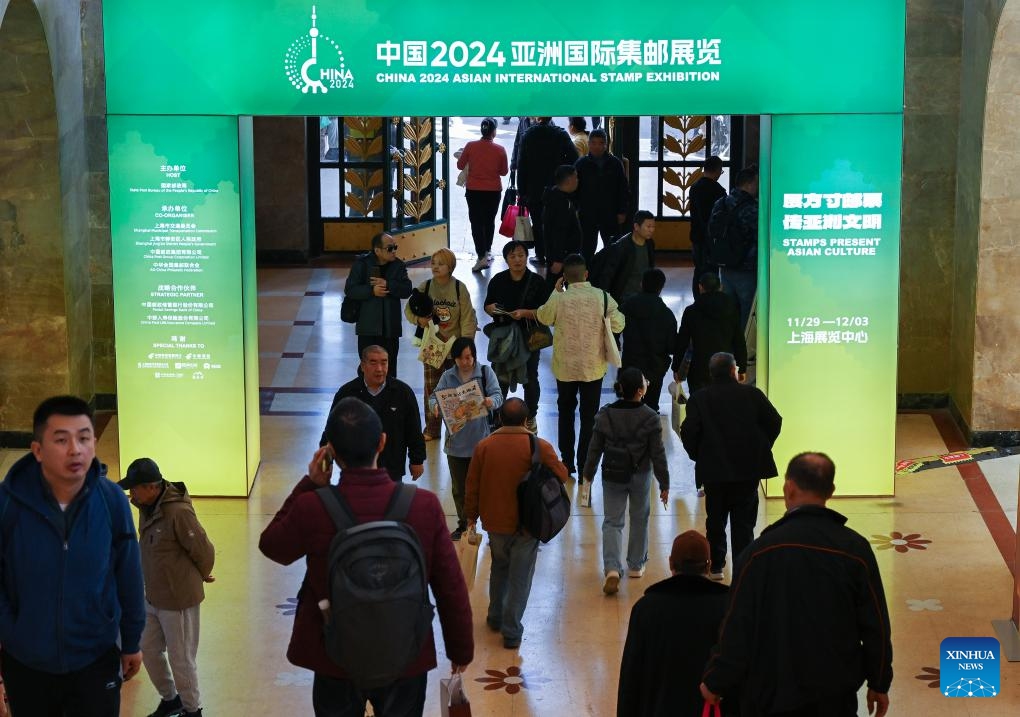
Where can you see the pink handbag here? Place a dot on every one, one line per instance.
(509, 224)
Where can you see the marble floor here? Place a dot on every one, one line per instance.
(568, 663)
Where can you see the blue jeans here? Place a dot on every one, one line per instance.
(332, 697)
(743, 285)
(513, 567)
(614, 499)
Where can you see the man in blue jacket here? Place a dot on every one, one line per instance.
(71, 600)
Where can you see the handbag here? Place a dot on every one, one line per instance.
(452, 700)
(350, 309)
(509, 224)
(679, 401)
(538, 335)
(610, 350)
(509, 198)
(434, 349)
(523, 231)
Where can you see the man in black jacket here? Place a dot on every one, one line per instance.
(378, 281)
(562, 228)
(709, 326)
(603, 194)
(704, 194)
(729, 433)
(807, 623)
(544, 147)
(397, 407)
(648, 336)
(619, 267)
(672, 631)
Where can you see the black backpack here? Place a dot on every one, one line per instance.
(541, 499)
(379, 613)
(728, 248)
(618, 464)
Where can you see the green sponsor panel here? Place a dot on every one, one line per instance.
(175, 219)
(354, 57)
(834, 222)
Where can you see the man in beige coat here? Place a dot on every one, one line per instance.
(177, 558)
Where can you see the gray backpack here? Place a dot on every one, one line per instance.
(379, 613)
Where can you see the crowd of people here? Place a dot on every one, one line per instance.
(84, 603)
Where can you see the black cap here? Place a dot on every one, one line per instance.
(140, 472)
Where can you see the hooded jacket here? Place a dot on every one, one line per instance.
(71, 581)
(176, 553)
(635, 425)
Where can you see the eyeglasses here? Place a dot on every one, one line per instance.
(390, 248)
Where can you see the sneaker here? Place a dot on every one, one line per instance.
(612, 583)
(717, 576)
(639, 573)
(532, 425)
(169, 708)
(511, 643)
(584, 495)
(480, 264)
(457, 534)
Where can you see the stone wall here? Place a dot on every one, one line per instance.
(980, 20)
(931, 114)
(33, 312)
(44, 202)
(996, 363)
(98, 173)
(281, 190)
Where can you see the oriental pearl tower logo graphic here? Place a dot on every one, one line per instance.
(315, 63)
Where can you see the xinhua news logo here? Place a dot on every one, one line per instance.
(969, 667)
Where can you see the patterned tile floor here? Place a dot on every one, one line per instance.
(954, 585)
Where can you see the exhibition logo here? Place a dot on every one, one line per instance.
(969, 667)
(315, 63)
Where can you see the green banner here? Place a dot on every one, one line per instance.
(179, 312)
(385, 57)
(834, 218)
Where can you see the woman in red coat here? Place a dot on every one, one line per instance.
(485, 162)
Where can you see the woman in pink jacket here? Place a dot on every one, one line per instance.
(486, 163)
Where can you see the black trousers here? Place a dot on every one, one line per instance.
(482, 209)
(590, 231)
(532, 389)
(590, 393)
(536, 209)
(93, 691)
(736, 501)
(340, 698)
(390, 343)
